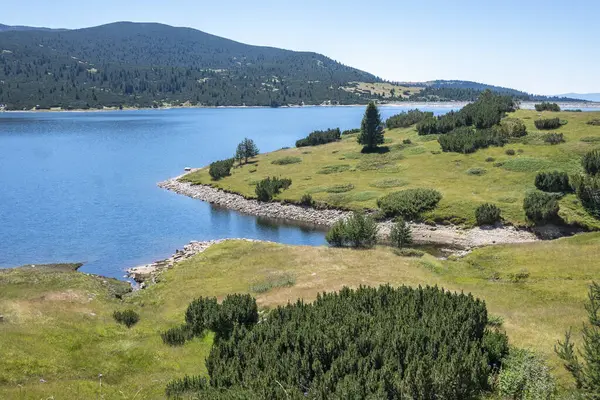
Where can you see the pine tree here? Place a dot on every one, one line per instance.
(245, 150)
(371, 128)
(400, 234)
(586, 374)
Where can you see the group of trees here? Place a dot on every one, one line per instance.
(357, 231)
(366, 343)
(587, 186)
(407, 118)
(316, 138)
(245, 150)
(547, 106)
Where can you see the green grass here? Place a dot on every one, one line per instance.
(58, 324)
(287, 160)
(413, 166)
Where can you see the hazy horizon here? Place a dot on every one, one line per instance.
(507, 44)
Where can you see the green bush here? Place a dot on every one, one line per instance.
(513, 128)
(286, 160)
(187, 384)
(487, 214)
(547, 106)
(363, 343)
(540, 207)
(587, 189)
(200, 314)
(407, 118)
(554, 138)
(220, 169)
(400, 234)
(126, 317)
(357, 231)
(320, 137)
(465, 140)
(350, 131)
(591, 162)
(307, 200)
(268, 188)
(594, 122)
(177, 336)
(477, 171)
(547, 123)
(554, 181)
(406, 141)
(409, 203)
(427, 126)
(235, 310)
(524, 376)
(490, 159)
(495, 344)
(510, 152)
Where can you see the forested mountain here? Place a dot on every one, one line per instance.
(584, 96)
(145, 64)
(4, 28)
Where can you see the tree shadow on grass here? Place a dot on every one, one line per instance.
(375, 150)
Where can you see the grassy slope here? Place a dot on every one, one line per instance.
(415, 165)
(50, 333)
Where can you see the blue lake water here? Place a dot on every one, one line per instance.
(82, 186)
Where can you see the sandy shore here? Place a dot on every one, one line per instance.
(450, 236)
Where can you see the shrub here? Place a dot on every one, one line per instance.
(357, 231)
(554, 181)
(594, 122)
(409, 203)
(477, 171)
(495, 344)
(177, 336)
(187, 384)
(513, 127)
(200, 314)
(220, 169)
(350, 131)
(554, 138)
(307, 200)
(236, 309)
(591, 162)
(427, 126)
(547, 123)
(425, 342)
(540, 207)
(490, 159)
(320, 137)
(587, 189)
(286, 160)
(407, 118)
(465, 140)
(268, 188)
(510, 152)
(127, 317)
(487, 214)
(406, 141)
(525, 376)
(547, 106)
(400, 234)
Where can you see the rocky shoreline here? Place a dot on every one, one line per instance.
(451, 236)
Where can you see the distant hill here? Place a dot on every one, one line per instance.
(148, 64)
(4, 28)
(583, 96)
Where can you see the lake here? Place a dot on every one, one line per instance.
(81, 186)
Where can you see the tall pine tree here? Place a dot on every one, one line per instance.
(371, 129)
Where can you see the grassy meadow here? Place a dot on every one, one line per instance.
(340, 175)
(58, 324)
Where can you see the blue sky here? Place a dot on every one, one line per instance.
(544, 47)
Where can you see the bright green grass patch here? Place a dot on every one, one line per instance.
(590, 139)
(415, 150)
(340, 188)
(286, 160)
(525, 164)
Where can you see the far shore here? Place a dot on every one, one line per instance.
(442, 104)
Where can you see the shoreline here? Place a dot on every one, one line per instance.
(444, 235)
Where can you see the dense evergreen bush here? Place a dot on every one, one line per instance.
(177, 336)
(554, 138)
(268, 188)
(510, 152)
(587, 189)
(586, 373)
(187, 384)
(524, 376)
(427, 126)
(540, 207)
(591, 162)
(487, 214)
(235, 310)
(357, 231)
(409, 203)
(547, 123)
(513, 128)
(366, 343)
(400, 234)
(495, 344)
(407, 118)
(594, 122)
(350, 131)
(220, 169)
(320, 137)
(127, 317)
(547, 106)
(554, 181)
(201, 314)
(465, 140)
